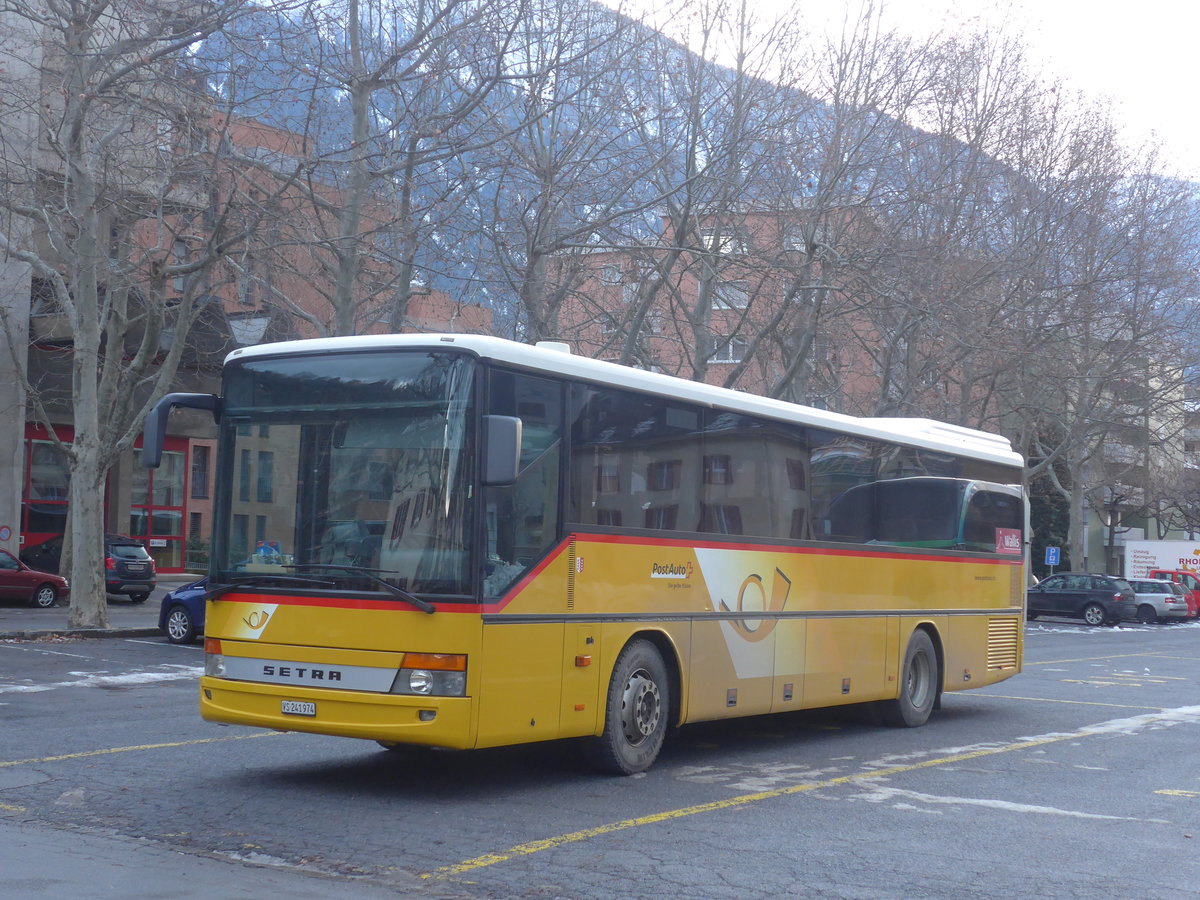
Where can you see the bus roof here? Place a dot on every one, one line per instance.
(927, 433)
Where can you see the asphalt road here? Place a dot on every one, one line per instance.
(1080, 777)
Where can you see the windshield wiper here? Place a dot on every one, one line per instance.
(266, 580)
(370, 574)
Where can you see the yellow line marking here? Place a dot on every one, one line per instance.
(1171, 793)
(526, 849)
(1076, 702)
(110, 750)
(9, 808)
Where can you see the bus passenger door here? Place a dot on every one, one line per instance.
(520, 697)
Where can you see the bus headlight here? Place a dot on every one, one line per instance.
(432, 675)
(420, 681)
(214, 665)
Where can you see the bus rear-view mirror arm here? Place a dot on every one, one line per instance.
(154, 434)
(503, 461)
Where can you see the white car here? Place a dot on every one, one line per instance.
(1159, 600)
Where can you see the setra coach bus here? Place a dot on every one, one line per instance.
(460, 541)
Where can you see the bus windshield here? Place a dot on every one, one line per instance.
(350, 470)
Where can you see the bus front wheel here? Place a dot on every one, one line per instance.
(635, 719)
(918, 685)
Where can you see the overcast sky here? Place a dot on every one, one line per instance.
(1141, 54)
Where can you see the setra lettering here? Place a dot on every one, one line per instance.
(302, 673)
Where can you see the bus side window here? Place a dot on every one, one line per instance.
(987, 512)
(636, 462)
(522, 518)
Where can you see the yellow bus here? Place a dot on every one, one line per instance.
(462, 542)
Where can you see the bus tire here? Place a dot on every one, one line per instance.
(635, 716)
(918, 685)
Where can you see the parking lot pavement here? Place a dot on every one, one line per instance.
(19, 622)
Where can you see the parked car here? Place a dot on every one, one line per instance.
(1097, 599)
(128, 567)
(1159, 600)
(181, 616)
(1188, 580)
(20, 582)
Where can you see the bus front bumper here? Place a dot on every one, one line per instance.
(391, 718)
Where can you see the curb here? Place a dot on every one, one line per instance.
(51, 634)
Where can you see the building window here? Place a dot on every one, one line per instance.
(731, 350)
(610, 274)
(795, 474)
(179, 252)
(608, 517)
(731, 295)
(200, 469)
(664, 475)
(662, 518)
(724, 239)
(794, 238)
(720, 518)
(608, 479)
(266, 475)
(244, 476)
(239, 537)
(195, 526)
(718, 469)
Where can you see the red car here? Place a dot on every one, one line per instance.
(19, 582)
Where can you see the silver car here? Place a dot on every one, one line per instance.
(1159, 600)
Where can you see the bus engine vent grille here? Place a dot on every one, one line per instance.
(571, 574)
(1003, 640)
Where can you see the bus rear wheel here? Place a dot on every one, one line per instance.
(635, 717)
(918, 685)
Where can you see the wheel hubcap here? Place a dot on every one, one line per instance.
(919, 680)
(177, 625)
(641, 707)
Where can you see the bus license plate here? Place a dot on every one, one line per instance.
(299, 708)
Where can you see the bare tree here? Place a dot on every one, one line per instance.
(112, 202)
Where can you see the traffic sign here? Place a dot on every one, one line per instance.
(1052, 556)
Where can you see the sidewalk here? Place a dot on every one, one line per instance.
(125, 619)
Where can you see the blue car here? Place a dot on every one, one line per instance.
(181, 616)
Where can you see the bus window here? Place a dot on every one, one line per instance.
(522, 518)
(636, 461)
(839, 465)
(989, 514)
(918, 512)
(736, 495)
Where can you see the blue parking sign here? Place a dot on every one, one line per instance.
(1052, 556)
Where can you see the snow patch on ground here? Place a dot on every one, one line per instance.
(100, 679)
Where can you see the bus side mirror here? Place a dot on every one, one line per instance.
(154, 433)
(502, 437)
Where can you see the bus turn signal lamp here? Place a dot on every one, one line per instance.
(432, 674)
(214, 659)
